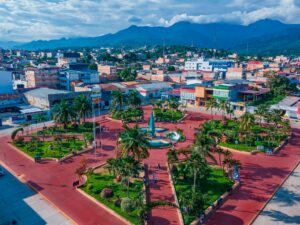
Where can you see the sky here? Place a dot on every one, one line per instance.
(26, 20)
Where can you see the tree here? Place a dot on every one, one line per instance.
(129, 168)
(134, 100)
(64, 113)
(93, 67)
(127, 75)
(223, 106)
(211, 104)
(15, 133)
(172, 156)
(83, 106)
(171, 68)
(247, 121)
(134, 142)
(205, 145)
(118, 100)
(260, 112)
(197, 165)
(276, 117)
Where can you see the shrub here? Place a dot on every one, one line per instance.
(19, 141)
(127, 205)
(89, 187)
(89, 137)
(124, 181)
(117, 202)
(88, 125)
(107, 193)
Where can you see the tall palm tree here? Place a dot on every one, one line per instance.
(276, 117)
(247, 121)
(134, 100)
(83, 106)
(260, 112)
(172, 156)
(64, 113)
(134, 142)
(205, 146)
(211, 104)
(118, 100)
(197, 164)
(223, 106)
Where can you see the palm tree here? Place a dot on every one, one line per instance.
(172, 156)
(276, 117)
(64, 113)
(247, 121)
(129, 168)
(83, 106)
(223, 106)
(260, 112)
(134, 100)
(205, 145)
(118, 100)
(197, 164)
(210, 105)
(134, 142)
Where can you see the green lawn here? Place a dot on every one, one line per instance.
(42, 148)
(216, 185)
(269, 100)
(167, 115)
(82, 128)
(240, 147)
(99, 181)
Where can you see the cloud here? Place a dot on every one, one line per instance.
(286, 11)
(48, 19)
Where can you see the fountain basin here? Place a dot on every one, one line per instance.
(159, 143)
(173, 136)
(157, 129)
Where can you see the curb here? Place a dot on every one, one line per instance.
(104, 206)
(276, 190)
(175, 195)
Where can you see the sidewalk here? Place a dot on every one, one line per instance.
(260, 176)
(284, 207)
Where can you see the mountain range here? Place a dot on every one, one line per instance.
(262, 37)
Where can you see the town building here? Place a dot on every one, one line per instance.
(42, 77)
(46, 98)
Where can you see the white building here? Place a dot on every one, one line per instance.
(198, 64)
(85, 76)
(153, 90)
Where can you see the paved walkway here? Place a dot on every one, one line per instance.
(54, 181)
(18, 202)
(261, 175)
(284, 207)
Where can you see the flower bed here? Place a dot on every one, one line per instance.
(42, 149)
(97, 182)
(167, 115)
(212, 188)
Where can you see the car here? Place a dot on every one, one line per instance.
(1, 172)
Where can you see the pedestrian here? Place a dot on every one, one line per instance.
(158, 166)
(154, 178)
